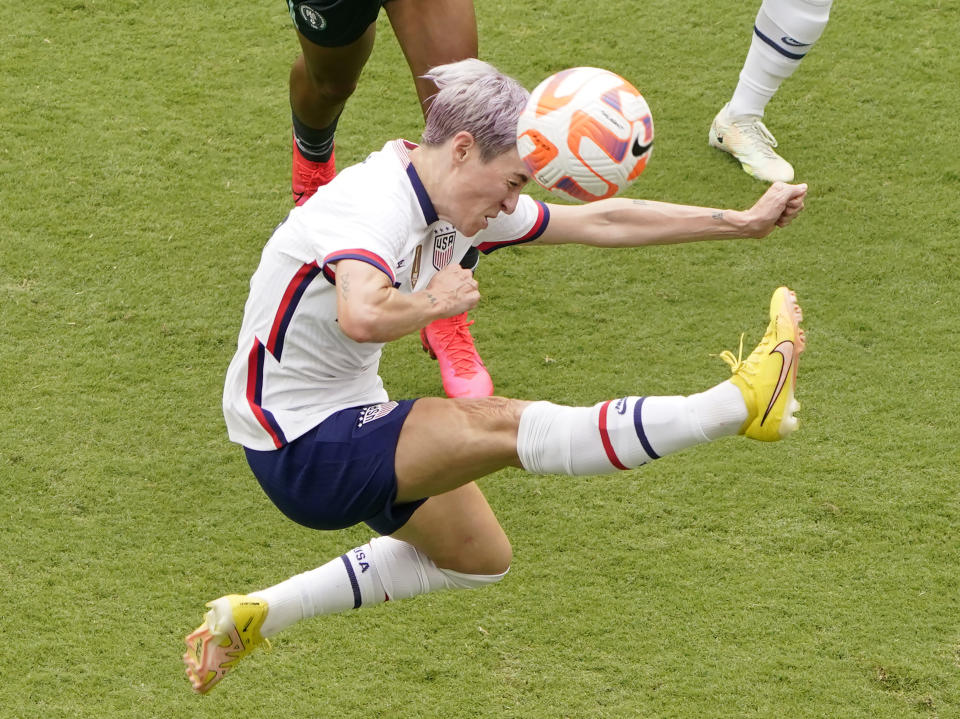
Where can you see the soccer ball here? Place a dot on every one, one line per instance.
(585, 134)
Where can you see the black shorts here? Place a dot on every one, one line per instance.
(340, 473)
(333, 23)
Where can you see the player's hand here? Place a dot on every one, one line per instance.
(776, 208)
(454, 290)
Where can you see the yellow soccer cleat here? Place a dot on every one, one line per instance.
(230, 631)
(768, 377)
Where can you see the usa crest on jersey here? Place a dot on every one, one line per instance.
(443, 245)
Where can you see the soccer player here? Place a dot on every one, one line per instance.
(373, 256)
(784, 32)
(336, 38)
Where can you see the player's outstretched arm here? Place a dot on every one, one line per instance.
(622, 222)
(370, 309)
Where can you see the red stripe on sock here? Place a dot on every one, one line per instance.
(605, 438)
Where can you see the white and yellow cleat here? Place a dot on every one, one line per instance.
(749, 140)
(768, 377)
(230, 631)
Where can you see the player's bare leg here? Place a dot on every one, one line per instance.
(446, 443)
(459, 531)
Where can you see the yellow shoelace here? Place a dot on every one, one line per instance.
(735, 361)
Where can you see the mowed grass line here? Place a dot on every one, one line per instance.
(147, 153)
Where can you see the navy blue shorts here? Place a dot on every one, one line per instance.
(341, 472)
(333, 23)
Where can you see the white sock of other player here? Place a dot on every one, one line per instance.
(783, 34)
(624, 433)
(385, 568)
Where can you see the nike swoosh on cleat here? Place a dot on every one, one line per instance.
(249, 620)
(720, 139)
(639, 149)
(787, 351)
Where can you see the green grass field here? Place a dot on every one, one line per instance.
(144, 157)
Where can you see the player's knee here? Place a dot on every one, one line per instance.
(473, 556)
(332, 91)
(493, 414)
(497, 562)
(320, 83)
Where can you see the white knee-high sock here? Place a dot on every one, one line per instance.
(624, 433)
(385, 568)
(784, 32)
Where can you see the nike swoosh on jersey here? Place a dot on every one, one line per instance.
(787, 351)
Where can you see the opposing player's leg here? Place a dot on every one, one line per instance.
(431, 33)
(784, 32)
(336, 39)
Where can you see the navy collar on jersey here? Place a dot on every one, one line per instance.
(426, 206)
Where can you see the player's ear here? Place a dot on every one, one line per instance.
(462, 145)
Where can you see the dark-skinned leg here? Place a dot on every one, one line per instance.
(322, 79)
(431, 33)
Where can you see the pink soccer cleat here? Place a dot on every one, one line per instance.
(449, 342)
(307, 175)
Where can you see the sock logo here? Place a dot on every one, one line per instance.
(621, 405)
(359, 556)
(787, 40)
(787, 352)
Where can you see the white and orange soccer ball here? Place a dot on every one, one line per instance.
(585, 133)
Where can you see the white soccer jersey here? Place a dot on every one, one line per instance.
(294, 367)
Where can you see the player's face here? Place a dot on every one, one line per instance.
(485, 189)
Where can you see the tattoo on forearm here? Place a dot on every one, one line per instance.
(433, 300)
(718, 215)
(640, 202)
